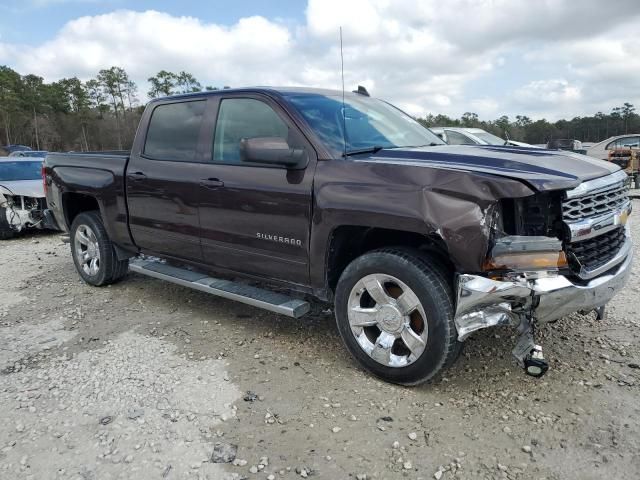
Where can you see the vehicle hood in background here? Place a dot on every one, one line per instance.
(541, 168)
(26, 188)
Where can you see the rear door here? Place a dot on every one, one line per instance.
(162, 180)
(255, 218)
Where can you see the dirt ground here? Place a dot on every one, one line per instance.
(142, 379)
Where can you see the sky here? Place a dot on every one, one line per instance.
(541, 58)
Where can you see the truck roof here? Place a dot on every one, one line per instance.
(284, 91)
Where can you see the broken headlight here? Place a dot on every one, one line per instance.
(524, 253)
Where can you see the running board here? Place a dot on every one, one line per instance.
(256, 297)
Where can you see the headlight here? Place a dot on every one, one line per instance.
(524, 253)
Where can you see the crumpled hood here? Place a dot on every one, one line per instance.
(542, 169)
(26, 188)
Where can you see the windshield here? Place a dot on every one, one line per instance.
(489, 138)
(12, 171)
(367, 123)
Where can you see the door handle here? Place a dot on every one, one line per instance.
(211, 183)
(135, 176)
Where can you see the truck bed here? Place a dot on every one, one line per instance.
(90, 176)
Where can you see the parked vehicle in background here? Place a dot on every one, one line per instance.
(29, 154)
(344, 198)
(568, 144)
(601, 150)
(627, 159)
(22, 196)
(9, 149)
(472, 136)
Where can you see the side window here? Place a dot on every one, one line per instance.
(455, 138)
(173, 132)
(625, 142)
(240, 118)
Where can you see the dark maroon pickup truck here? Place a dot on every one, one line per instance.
(250, 193)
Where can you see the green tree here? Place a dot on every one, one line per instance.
(116, 84)
(470, 119)
(10, 85)
(162, 84)
(32, 97)
(627, 112)
(187, 83)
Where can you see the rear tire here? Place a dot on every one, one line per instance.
(93, 253)
(403, 332)
(6, 232)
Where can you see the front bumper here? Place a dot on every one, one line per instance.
(483, 302)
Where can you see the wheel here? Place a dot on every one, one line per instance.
(394, 311)
(93, 253)
(6, 232)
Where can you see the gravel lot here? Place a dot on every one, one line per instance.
(142, 379)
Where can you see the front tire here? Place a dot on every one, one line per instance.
(6, 232)
(394, 311)
(93, 253)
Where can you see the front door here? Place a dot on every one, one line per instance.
(255, 218)
(163, 181)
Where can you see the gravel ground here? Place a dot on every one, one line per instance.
(148, 380)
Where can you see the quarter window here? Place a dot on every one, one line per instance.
(240, 118)
(174, 130)
(455, 138)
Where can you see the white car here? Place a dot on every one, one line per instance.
(22, 196)
(601, 150)
(473, 136)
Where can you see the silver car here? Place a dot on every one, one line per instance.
(473, 136)
(22, 195)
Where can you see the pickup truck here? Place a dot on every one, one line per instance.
(280, 196)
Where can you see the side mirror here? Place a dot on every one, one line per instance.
(271, 150)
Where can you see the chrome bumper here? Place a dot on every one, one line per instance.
(483, 302)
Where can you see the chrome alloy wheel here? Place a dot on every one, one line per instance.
(387, 320)
(87, 250)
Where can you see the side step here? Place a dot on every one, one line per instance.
(256, 297)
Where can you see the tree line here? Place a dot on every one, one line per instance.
(595, 128)
(103, 113)
(98, 114)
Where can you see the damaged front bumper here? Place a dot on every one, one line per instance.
(483, 302)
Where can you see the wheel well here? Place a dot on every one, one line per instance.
(349, 242)
(76, 203)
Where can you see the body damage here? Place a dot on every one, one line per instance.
(456, 207)
(22, 204)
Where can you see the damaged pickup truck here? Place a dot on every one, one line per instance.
(250, 193)
(22, 198)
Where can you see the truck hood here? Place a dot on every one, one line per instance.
(25, 188)
(543, 169)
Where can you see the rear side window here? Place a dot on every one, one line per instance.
(174, 130)
(455, 138)
(240, 118)
(626, 142)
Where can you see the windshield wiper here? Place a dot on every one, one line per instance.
(374, 149)
(432, 144)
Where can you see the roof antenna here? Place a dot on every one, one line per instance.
(344, 114)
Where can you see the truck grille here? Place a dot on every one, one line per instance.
(595, 204)
(594, 213)
(595, 252)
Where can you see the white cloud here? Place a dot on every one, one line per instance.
(547, 92)
(426, 56)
